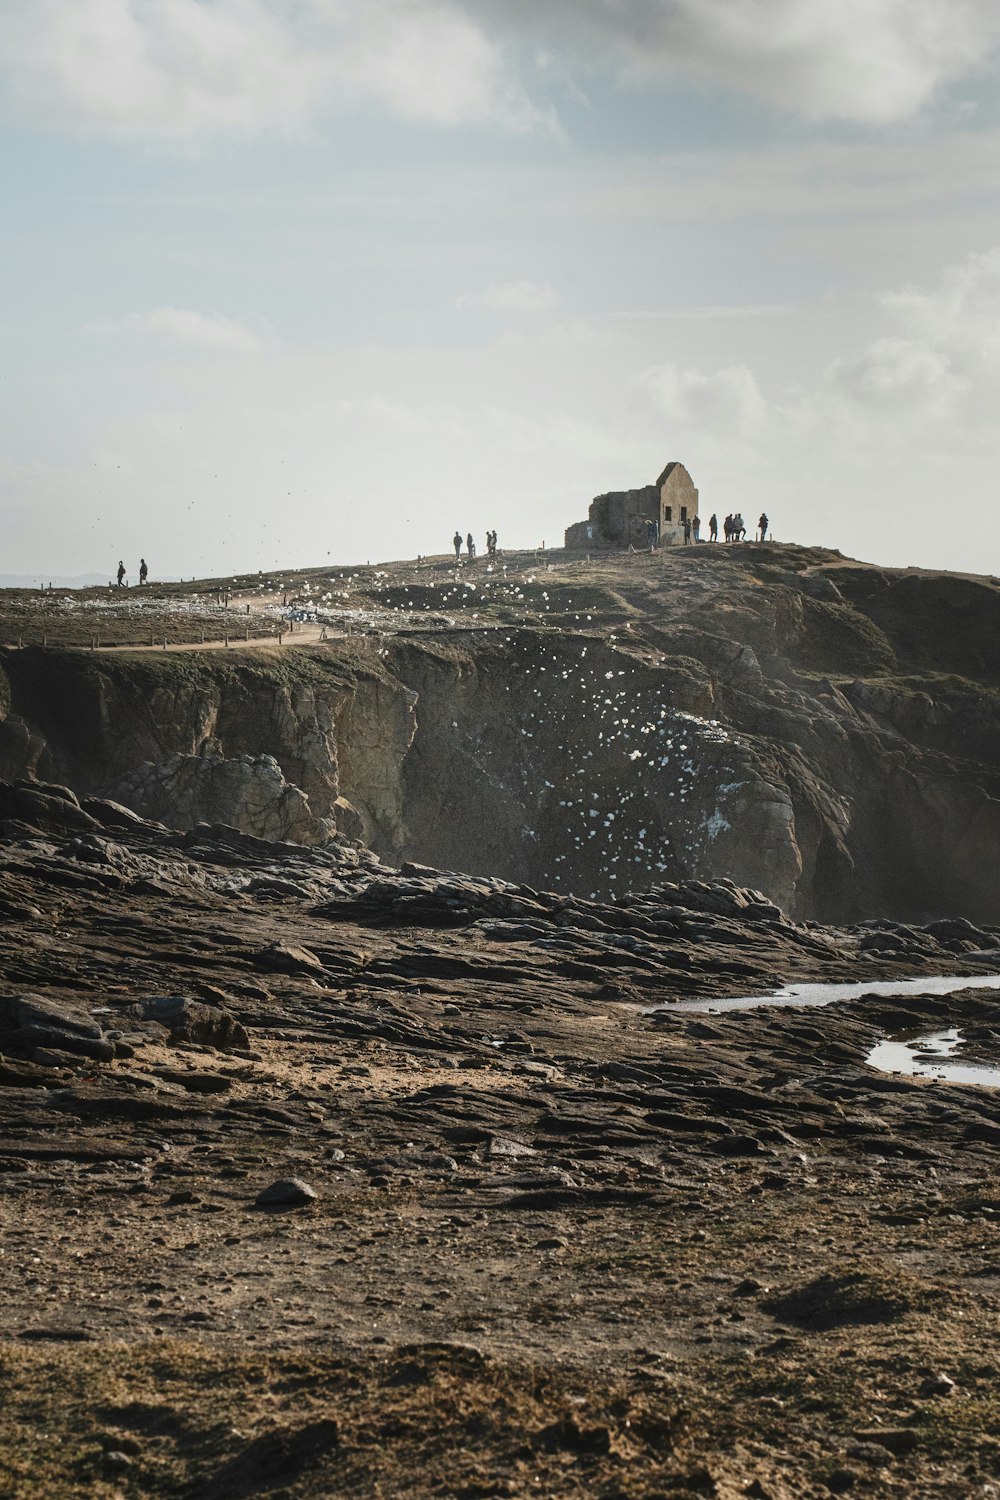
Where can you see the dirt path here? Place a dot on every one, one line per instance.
(304, 634)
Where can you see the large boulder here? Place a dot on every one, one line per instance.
(49, 809)
(192, 1021)
(29, 1022)
(248, 792)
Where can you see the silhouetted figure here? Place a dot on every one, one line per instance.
(143, 571)
(470, 545)
(457, 542)
(762, 525)
(696, 528)
(713, 527)
(687, 531)
(121, 574)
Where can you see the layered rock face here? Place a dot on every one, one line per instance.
(818, 729)
(248, 791)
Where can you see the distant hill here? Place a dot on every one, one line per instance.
(34, 581)
(61, 581)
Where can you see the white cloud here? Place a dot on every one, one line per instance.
(183, 327)
(940, 363)
(891, 445)
(874, 61)
(512, 296)
(943, 364)
(963, 313)
(174, 68)
(912, 379)
(728, 402)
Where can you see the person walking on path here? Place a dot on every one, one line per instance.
(121, 574)
(713, 527)
(762, 525)
(457, 543)
(143, 571)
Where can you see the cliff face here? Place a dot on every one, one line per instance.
(821, 730)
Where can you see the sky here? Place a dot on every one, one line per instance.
(289, 282)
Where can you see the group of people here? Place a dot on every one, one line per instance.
(470, 545)
(143, 572)
(733, 528)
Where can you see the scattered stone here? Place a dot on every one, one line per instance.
(196, 1081)
(896, 1440)
(193, 1021)
(840, 1480)
(938, 1385)
(287, 1192)
(281, 958)
(115, 1459)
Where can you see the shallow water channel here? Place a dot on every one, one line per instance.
(828, 994)
(924, 1055)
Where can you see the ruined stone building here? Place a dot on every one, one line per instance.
(623, 518)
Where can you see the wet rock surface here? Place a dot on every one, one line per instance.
(534, 1235)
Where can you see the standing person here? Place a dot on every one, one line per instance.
(696, 528)
(457, 543)
(687, 531)
(470, 545)
(143, 571)
(739, 527)
(713, 527)
(762, 525)
(121, 574)
(727, 527)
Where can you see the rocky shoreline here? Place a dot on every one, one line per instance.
(548, 1240)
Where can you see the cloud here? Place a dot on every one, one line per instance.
(963, 313)
(512, 296)
(943, 361)
(873, 61)
(172, 69)
(925, 386)
(182, 327)
(728, 402)
(912, 379)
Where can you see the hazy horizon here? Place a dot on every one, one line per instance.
(289, 283)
